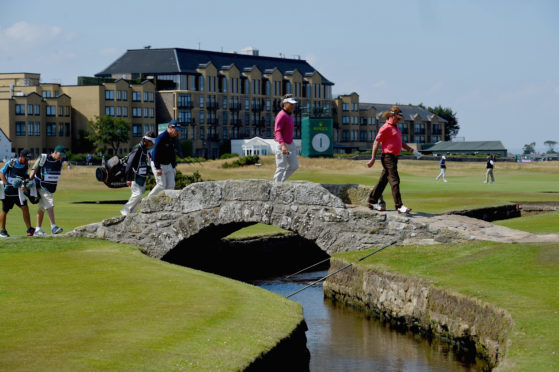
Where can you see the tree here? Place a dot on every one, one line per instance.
(106, 130)
(529, 148)
(551, 144)
(452, 127)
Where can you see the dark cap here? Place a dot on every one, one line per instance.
(174, 124)
(61, 149)
(25, 153)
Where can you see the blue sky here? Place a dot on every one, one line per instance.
(495, 63)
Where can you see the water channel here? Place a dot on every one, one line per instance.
(341, 338)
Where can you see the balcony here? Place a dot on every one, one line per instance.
(234, 106)
(185, 105)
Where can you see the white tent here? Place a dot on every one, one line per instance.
(258, 146)
(5, 147)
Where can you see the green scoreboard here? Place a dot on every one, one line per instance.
(317, 136)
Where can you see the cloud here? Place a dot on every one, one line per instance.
(23, 36)
(379, 84)
(520, 94)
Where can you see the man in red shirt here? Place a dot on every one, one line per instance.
(286, 151)
(390, 138)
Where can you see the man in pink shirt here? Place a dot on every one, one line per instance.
(286, 151)
(390, 138)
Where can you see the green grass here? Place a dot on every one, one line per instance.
(79, 304)
(538, 223)
(521, 278)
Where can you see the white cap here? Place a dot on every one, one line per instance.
(444, 157)
(289, 100)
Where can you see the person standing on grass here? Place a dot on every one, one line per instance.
(164, 159)
(13, 175)
(443, 169)
(286, 151)
(46, 173)
(137, 172)
(489, 166)
(389, 138)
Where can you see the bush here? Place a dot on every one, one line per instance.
(190, 159)
(181, 180)
(242, 161)
(228, 156)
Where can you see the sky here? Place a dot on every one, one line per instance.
(494, 63)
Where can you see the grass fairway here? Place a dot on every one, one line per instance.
(80, 304)
(521, 278)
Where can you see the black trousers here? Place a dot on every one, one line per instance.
(389, 175)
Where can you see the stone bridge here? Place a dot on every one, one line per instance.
(332, 216)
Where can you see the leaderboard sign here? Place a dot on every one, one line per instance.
(317, 137)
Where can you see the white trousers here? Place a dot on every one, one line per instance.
(488, 174)
(286, 164)
(442, 174)
(164, 182)
(135, 199)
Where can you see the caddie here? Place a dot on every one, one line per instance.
(46, 173)
(137, 172)
(13, 177)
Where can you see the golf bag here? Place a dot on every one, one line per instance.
(113, 174)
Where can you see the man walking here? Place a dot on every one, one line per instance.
(164, 159)
(13, 175)
(390, 138)
(286, 151)
(46, 173)
(443, 169)
(489, 166)
(137, 172)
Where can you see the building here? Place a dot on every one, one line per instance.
(223, 96)
(356, 124)
(34, 116)
(468, 148)
(258, 146)
(39, 116)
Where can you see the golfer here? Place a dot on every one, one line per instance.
(443, 169)
(286, 151)
(389, 138)
(46, 173)
(164, 159)
(489, 166)
(137, 172)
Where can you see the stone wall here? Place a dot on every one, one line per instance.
(417, 304)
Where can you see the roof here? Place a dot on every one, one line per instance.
(408, 111)
(178, 60)
(468, 146)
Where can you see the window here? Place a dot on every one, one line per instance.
(67, 129)
(268, 104)
(345, 119)
(109, 95)
(247, 87)
(136, 112)
(20, 128)
(51, 129)
(51, 110)
(136, 130)
(148, 96)
(124, 95)
(287, 88)
(201, 101)
(30, 128)
(37, 128)
(61, 130)
(419, 129)
(29, 109)
(118, 111)
(118, 95)
(184, 100)
(109, 111)
(437, 129)
(225, 117)
(201, 133)
(125, 111)
(202, 117)
(345, 135)
(363, 136)
(192, 82)
(185, 116)
(146, 112)
(20, 109)
(46, 94)
(247, 103)
(224, 84)
(268, 88)
(436, 138)
(224, 102)
(37, 109)
(247, 118)
(345, 106)
(136, 96)
(201, 83)
(268, 119)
